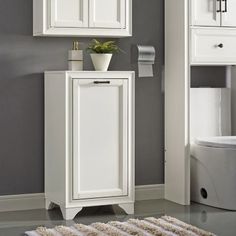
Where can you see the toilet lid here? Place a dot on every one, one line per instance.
(219, 142)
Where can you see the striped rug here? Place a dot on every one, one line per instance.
(164, 226)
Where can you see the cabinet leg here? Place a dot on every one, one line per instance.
(48, 204)
(70, 213)
(128, 208)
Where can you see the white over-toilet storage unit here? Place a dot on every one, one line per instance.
(89, 140)
(197, 32)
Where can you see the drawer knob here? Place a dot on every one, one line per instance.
(221, 45)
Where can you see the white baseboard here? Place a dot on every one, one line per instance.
(23, 202)
(149, 192)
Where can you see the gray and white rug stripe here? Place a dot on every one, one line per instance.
(164, 226)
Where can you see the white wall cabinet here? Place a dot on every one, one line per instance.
(213, 13)
(89, 140)
(82, 18)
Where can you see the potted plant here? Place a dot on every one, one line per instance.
(101, 53)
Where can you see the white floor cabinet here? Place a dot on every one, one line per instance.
(89, 140)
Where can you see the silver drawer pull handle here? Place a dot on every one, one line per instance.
(219, 10)
(221, 45)
(101, 82)
(226, 6)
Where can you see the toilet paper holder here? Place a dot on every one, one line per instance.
(144, 56)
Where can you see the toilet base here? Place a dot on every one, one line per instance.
(213, 174)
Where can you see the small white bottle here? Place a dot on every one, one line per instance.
(75, 57)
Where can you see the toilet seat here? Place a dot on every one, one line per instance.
(218, 142)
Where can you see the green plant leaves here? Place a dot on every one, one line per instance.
(103, 47)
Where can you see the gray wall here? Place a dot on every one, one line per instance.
(23, 59)
(208, 76)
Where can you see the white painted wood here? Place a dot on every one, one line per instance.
(38, 16)
(128, 208)
(114, 17)
(233, 99)
(229, 17)
(148, 192)
(100, 138)
(177, 156)
(204, 13)
(61, 18)
(70, 213)
(205, 46)
(209, 13)
(85, 32)
(59, 145)
(68, 13)
(56, 137)
(48, 204)
(22, 202)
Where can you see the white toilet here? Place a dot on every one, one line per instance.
(213, 149)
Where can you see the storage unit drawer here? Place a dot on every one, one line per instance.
(213, 46)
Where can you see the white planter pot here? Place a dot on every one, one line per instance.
(101, 61)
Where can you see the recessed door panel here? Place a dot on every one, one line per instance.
(107, 14)
(205, 12)
(228, 13)
(69, 13)
(99, 138)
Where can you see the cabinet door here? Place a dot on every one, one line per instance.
(107, 13)
(228, 13)
(100, 163)
(68, 13)
(205, 12)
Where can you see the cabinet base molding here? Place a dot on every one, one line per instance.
(70, 213)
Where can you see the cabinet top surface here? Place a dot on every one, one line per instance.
(86, 72)
(92, 74)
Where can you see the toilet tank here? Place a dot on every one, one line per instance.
(210, 112)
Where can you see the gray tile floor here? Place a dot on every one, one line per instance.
(221, 222)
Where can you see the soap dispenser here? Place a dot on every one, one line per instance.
(75, 57)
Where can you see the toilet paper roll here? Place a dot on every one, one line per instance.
(145, 70)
